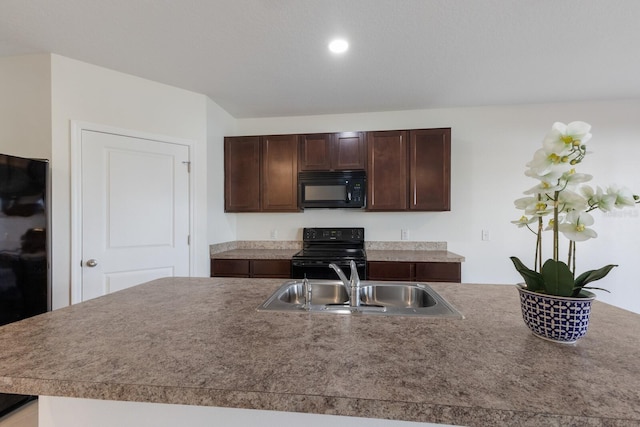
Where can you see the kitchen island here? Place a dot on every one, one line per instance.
(201, 342)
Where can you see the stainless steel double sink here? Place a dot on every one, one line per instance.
(381, 298)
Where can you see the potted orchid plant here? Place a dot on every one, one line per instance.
(561, 203)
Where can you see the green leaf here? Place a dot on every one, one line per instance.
(593, 275)
(533, 279)
(577, 290)
(558, 278)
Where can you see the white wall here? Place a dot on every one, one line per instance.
(222, 227)
(97, 95)
(25, 106)
(490, 146)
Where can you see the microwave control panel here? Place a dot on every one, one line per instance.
(356, 192)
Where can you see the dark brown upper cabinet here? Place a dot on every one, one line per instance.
(280, 173)
(242, 174)
(332, 151)
(387, 170)
(261, 173)
(430, 169)
(409, 170)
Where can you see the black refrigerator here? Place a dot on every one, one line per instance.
(24, 247)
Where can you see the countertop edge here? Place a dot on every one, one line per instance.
(390, 255)
(301, 403)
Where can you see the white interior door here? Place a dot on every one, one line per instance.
(135, 211)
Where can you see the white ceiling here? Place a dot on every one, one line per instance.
(261, 58)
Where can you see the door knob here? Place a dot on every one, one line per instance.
(91, 263)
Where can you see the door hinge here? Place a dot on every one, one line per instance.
(188, 166)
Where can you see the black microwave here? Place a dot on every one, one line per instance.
(335, 189)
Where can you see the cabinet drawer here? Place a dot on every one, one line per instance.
(271, 268)
(383, 270)
(229, 268)
(438, 271)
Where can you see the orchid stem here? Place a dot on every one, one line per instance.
(556, 195)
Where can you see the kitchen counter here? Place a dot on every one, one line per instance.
(200, 341)
(397, 255)
(413, 256)
(256, 254)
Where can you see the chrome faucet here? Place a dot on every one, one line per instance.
(306, 289)
(352, 285)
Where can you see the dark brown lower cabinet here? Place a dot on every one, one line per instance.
(402, 271)
(271, 268)
(438, 272)
(276, 268)
(414, 271)
(376, 270)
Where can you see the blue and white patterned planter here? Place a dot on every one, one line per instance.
(559, 319)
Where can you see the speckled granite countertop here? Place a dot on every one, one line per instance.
(372, 255)
(413, 256)
(200, 341)
(256, 254)
(376, 251)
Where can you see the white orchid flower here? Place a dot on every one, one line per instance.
(570, 200)
(523, 202)
(524, 221)
(568, 141)
(548, 164)
(545, 187)
(562, 137)
(576, 226)
(533, 206)
(623, 196)
(571, 177)
(598, 198)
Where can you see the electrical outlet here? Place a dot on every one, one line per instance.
(404, 234)
(274, 233)
(485, 235)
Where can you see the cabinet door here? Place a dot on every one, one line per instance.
(388, 270)
(271, 268)
(438, 272)
(242, 174)
(315, 152)
(229, 268)
(387, 171)
(280, 173)
(348, 151)
(430, 169)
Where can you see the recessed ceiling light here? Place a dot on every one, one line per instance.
(338, 46)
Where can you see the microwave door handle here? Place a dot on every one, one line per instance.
(348, 196)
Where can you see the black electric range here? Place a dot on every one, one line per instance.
(323, 246)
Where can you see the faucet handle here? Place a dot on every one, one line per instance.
(341, 275)
(306, 289)
(355, 278)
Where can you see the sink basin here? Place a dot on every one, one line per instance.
(324, 293)
(397, 295)
(386, 298)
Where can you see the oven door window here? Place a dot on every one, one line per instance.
(325, 192)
